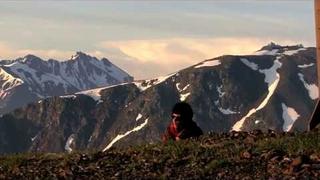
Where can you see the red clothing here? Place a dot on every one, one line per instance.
(189, 130)
(171, 133)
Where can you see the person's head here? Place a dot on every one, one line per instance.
(181, 114)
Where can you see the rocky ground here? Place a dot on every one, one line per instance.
(235, 155)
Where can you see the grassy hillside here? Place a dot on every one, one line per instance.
(222, 156)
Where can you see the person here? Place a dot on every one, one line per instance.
(181, 126)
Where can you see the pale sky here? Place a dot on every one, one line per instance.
(150, 39)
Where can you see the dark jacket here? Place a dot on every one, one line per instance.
(189, 130)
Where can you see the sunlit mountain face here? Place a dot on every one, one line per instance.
(272, 88)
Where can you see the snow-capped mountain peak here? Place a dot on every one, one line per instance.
(271, 46)
(42, 78)
(81, 56)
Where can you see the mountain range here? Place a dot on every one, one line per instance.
(30, 78)
(273, 88)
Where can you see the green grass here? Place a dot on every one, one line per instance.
(302, 143)
(208, 156)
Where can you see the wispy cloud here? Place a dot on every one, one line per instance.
(8, 52)
(178, 51)
(151, 58)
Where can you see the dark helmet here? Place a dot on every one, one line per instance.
(184, 109)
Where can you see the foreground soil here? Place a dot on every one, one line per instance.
(235, 155)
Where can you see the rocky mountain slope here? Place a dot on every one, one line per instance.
(30, 78)
(274, 88)
(236, 155)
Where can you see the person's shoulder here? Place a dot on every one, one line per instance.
(198, 129)
(195, 128)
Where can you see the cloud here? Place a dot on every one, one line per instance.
(48, 54)
(169, 55)
(145, 59)
(8, 52)
(135, 67)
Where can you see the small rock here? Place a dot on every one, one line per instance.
(286, 159)
(246, 155)
(221, 174)
(235, 134)
(299, 160)
(296, 162)
(272, 154)
(275, 158)
(305, 166)
(84, 157)
(314, 157)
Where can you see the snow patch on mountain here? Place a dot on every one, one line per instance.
(271, 75)
(69, 77)
(219, 89)
(143, 85)
(146, 84)
(289, 116)
(292, 52)
(30, 76)
(178, 87)
(68, 96)
(227, 111)
(183, 97)
(35, 137)
(272, 78)
(273, 52)
(113, 70)
(74, 57)
(305, 65)
(139, 117)
(120, 136)
(8, 82)
(112, 86)
(252, 65)
(90, 139)
(257, 121)
(93, 93)
(312, 88)
(69, 142)
(186, 87)
(183, 89)
(209, 63)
